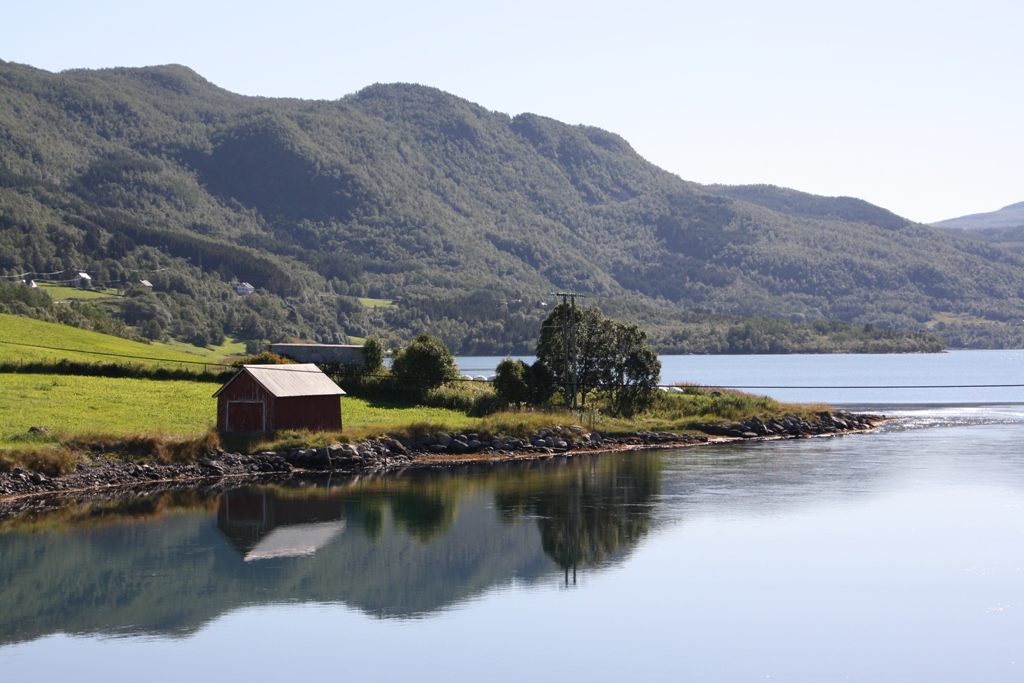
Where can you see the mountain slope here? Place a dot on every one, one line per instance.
(468, 217)
(1011, 216)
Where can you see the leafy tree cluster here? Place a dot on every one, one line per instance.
(518, 383)
(587, 352)
(423, 365)
(18, 299)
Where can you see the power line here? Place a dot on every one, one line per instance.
(874, 386)
(33, 272)
(115, 355)
(665, 386)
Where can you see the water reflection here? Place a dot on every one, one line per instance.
(587, 514)
(167, 563)
(265, 523)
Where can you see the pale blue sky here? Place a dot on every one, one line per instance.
(915, 106)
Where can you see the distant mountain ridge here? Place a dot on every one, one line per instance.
(1011, 216)
(467, 218)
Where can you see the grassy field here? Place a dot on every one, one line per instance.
(64, 293)
(173, 420)
(376, 303)
(18, 332)
(231, 347)
(80, 410)
(72, 407)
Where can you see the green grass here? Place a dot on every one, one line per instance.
(701, 405)
(231, 347)
(63, 292)
(359, 415)
(376, 303)
(71, 406)
(173, 419)
(356, 340)
(38, 333)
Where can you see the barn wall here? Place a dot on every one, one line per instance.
(243, 388)
(308, 412)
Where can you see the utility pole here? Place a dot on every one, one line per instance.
(565, 352)
(571, 377)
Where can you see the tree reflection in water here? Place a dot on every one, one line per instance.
(589, 511)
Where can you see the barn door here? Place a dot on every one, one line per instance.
(247, 416)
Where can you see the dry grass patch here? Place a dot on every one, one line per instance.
(145, 447)
(51, 461)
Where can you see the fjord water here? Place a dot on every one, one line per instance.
(896, 555)
(844, 379)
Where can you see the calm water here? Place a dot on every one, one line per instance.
(894, 556)
(780, 373)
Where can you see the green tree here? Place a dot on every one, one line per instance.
(589, 351)
(510, 382)
(540, 383)
(424, 365)
(607, 355)
(636, 371)
(151, 329)
(373, 356)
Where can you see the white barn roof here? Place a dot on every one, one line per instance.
(295, 540)
(301, 379)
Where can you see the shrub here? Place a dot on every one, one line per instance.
(540, 383)
(373, 356)
(265, 358)
(255, 347)
(510, 382)
(487, 404)
(424, 365)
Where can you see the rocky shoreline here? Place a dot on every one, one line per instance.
(383, 455)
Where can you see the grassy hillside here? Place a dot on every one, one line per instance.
(22, 339)
(464, 218)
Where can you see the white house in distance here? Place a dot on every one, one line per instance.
(245, 288)
(83, 280)
(146, 283)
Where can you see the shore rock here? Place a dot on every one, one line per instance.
(826, 423)
(382, 455)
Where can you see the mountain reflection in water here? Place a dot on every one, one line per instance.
(165, 564)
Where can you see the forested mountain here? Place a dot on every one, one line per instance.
(467, 218)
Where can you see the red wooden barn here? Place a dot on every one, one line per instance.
(265, 398)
